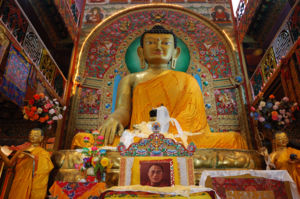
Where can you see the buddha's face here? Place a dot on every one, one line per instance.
(281, 139)
(35, 136)
(158, 48)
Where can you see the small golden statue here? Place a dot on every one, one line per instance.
(286, 158)
(32, 168)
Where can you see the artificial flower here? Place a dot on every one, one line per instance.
(269, 105)
(36, 97)
(104, 162)
(36, 117)
(275, 107)
(42, 95)
(94, 148)
(55, 118)
(51, 111)
(31, 102)
(39, 110)
(33, 108)
(252, 109)
(262, 104)
(272, 96)
(261, 119)
(285, 99)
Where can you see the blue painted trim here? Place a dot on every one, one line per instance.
(115, 90)
(198, 78)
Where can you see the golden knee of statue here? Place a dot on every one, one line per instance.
(138, 93)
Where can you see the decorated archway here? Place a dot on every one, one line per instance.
(109, 53)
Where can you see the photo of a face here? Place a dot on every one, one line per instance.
(156, 173)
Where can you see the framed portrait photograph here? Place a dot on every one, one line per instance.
(157, 173)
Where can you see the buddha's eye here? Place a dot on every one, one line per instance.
(167, 43)
(149, 42)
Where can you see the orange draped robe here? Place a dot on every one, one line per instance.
(281, 162)
(181, 94)
(25, 185)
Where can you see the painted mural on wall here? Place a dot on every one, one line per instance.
(218, 11)
(110, 54)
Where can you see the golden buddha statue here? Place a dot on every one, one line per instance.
(32, 168)
(286, 158)
(179, 92)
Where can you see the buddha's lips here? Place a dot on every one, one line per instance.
(158, 53)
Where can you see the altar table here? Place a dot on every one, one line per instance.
(76, 190)
(250, 184)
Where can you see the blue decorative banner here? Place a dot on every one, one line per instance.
(14, 82)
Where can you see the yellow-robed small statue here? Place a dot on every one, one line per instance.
(179, 92)
(286, 158)
(32, 168)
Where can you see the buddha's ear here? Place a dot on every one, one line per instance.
(176, 52)
(140, 53)
(41, 138)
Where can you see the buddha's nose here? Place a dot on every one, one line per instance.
(158, 44)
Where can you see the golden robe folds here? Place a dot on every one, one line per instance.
(181, 94)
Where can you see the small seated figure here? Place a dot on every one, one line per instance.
(179, 92)
(286, 158)
(32, 168)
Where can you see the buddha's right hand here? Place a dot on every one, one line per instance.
(109, 129)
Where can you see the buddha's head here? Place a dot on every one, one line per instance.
(281, 139)
(158, 47)
(36, 136)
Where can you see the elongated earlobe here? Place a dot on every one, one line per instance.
(173, 63)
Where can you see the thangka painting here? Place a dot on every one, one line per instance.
(14, 20)
(110, 53)
(257, 81)
(14, 82)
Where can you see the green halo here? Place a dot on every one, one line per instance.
(133, 62)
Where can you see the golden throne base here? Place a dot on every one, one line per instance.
(204, 159)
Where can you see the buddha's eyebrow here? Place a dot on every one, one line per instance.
(163, 38)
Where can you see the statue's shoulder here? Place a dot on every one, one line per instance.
(181, 74)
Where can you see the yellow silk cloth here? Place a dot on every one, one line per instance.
(168, 192)
(181, 94)
(79, 141)
(281, 162)
(25, 185)
(56, 191)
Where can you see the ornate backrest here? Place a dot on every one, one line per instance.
(171, 155)
(109, 53)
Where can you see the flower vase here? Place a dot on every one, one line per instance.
(101, 176)
(90, 175)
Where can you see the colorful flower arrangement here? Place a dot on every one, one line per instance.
(273, 114)
(40, 108)
(95, 164)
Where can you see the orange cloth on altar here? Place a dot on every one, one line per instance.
(281, 162)
(180, 93)
(56, 191)
(31, 178)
